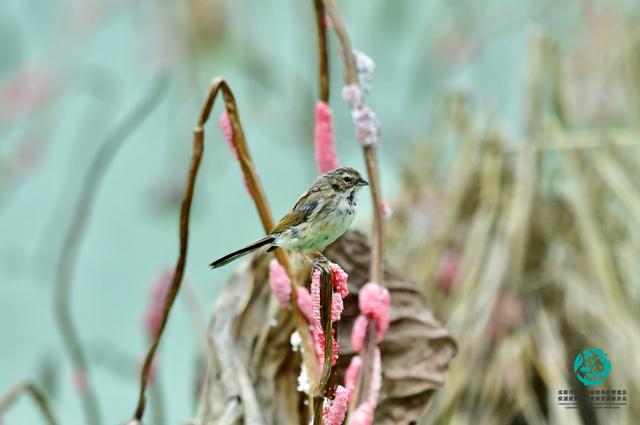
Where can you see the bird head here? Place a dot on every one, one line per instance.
(344, 179)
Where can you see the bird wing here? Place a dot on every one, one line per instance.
(300, 213)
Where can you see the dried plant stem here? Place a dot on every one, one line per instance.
(370, 152)
(371, 160)
(351, 72)
(66, 264)
(321, 389)
(38, 398)
(323, 56)
(364, 381)
(218, 85)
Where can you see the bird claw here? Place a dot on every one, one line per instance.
(320, 262)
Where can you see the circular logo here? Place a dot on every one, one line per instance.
(591, 366)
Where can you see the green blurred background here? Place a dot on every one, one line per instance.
(71, 69)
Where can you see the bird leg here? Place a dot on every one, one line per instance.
(321, 263)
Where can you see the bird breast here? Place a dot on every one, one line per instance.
(329, 221)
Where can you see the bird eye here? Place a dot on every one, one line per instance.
(347, 179)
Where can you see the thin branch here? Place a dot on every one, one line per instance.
(370, 151)
(351, 71)
(364, 381)
(218, 85)
(323, 56)
(377, 247)
(321, 389)
(66, 264)
(36, 394)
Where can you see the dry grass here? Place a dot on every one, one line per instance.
(528, 250)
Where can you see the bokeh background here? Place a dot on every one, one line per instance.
(448, 74)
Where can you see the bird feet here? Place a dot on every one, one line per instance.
(321, 263)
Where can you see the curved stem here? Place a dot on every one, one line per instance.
(218, 85)
(38, 398)
(66, 264)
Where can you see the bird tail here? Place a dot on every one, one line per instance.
(242, 252)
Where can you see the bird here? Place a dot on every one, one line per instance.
(319, 217)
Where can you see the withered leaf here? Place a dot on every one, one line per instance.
(252, 375)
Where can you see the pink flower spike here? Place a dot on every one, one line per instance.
(318, 346)
(336, 348)
(227, 130)
(246, 186)
(374, 301)
(363, 414)
(304, 303)
(359, 331)
(386, 210)
(339, 280)
(316, 323)
(327, 22)
(318, 339)
(326, 154)
(335, 410)
(336, 307)
(351, 375)
(280, 283)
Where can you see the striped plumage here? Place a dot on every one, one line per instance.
(321, 215)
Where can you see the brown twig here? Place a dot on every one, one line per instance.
(370, 151)
(38, 398)
(351, 72)
(66, 264)
(323, 56)
(218, 85)
(364, 381)
(321, 388)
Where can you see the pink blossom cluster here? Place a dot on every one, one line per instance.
(339, 281)
(374, 302)
(386, 210)
(227, 131)
(280, 283)
(364, 119)
(363, 413)
(309, 302)
(334, 411)
(324, 140)
(365, 67)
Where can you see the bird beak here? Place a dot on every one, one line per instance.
(362, 182)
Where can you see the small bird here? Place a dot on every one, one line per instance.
(321, 215)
